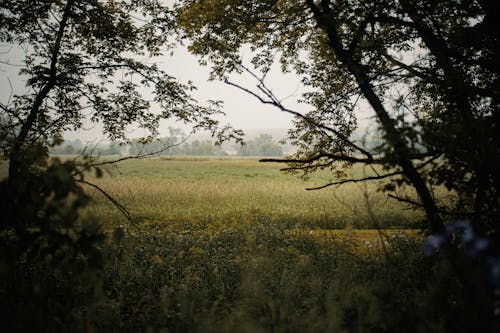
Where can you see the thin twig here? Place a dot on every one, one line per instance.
(115, 202)
(141, 156)
(345, 181)
(406, 200)
(274, 101)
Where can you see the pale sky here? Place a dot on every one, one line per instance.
(243, 110)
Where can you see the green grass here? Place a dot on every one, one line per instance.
(212, 191)
(233, 245)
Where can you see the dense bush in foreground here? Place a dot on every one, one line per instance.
(263, 278)
(259, 277)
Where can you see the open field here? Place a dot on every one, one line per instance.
(233, 245)
(198, 192)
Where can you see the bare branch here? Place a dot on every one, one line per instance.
(334, 157)
(406, 67)
(118, 205)
(341, 182)
(406, 200)
(276, 103)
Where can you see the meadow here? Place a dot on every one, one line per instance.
(234, 245)
(229, 191)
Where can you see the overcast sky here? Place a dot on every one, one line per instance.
(243, 110)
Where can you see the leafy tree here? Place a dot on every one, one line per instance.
(201, 148)
(84, 61)
(161, 146)
(428, 70)
(85, 56)
(111, 149)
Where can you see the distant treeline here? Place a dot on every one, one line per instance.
(263, 145)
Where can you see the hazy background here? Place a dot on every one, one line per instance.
(243, 111)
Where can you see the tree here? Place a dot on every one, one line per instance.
(87, 61)
(429, 72)
(111, 149)
(262, 145)
(84, 61)
(201, 148)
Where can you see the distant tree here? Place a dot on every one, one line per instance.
(429, 71)
(64, 149)
(201, 148)
(262, 145)
(169, 145)
(111, 149)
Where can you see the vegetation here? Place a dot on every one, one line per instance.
(428, 72)
(233, 247)
(176, 145)
(262, 145)
(80, 64)
(220, 192)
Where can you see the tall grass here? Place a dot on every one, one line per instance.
(235, 246)
(234, 191)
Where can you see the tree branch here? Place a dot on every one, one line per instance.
(406, 200)
(125, 158)
(118, 205)
(276, 103)
(326, 22)
(42, 94)
(406, 67)
(334, 157)
(345, 181)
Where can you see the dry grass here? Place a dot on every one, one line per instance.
(202, 191)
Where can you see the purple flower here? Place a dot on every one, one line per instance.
(461, 225)
(494, 270)
(433, 243)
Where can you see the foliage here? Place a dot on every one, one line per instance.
(49, 262)
(266, 278)
(171, 146)
(58, 272)
(84, 62)
(429, 72)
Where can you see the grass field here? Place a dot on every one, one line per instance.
(234, 245)
(209, 191)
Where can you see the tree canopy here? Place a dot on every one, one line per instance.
(83, 62)
(90, 61)
(429, 71)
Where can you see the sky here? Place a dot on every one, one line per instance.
(243, 111)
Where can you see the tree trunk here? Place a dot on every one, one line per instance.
(16, 155)
(394, 138)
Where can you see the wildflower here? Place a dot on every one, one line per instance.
(433, 243)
